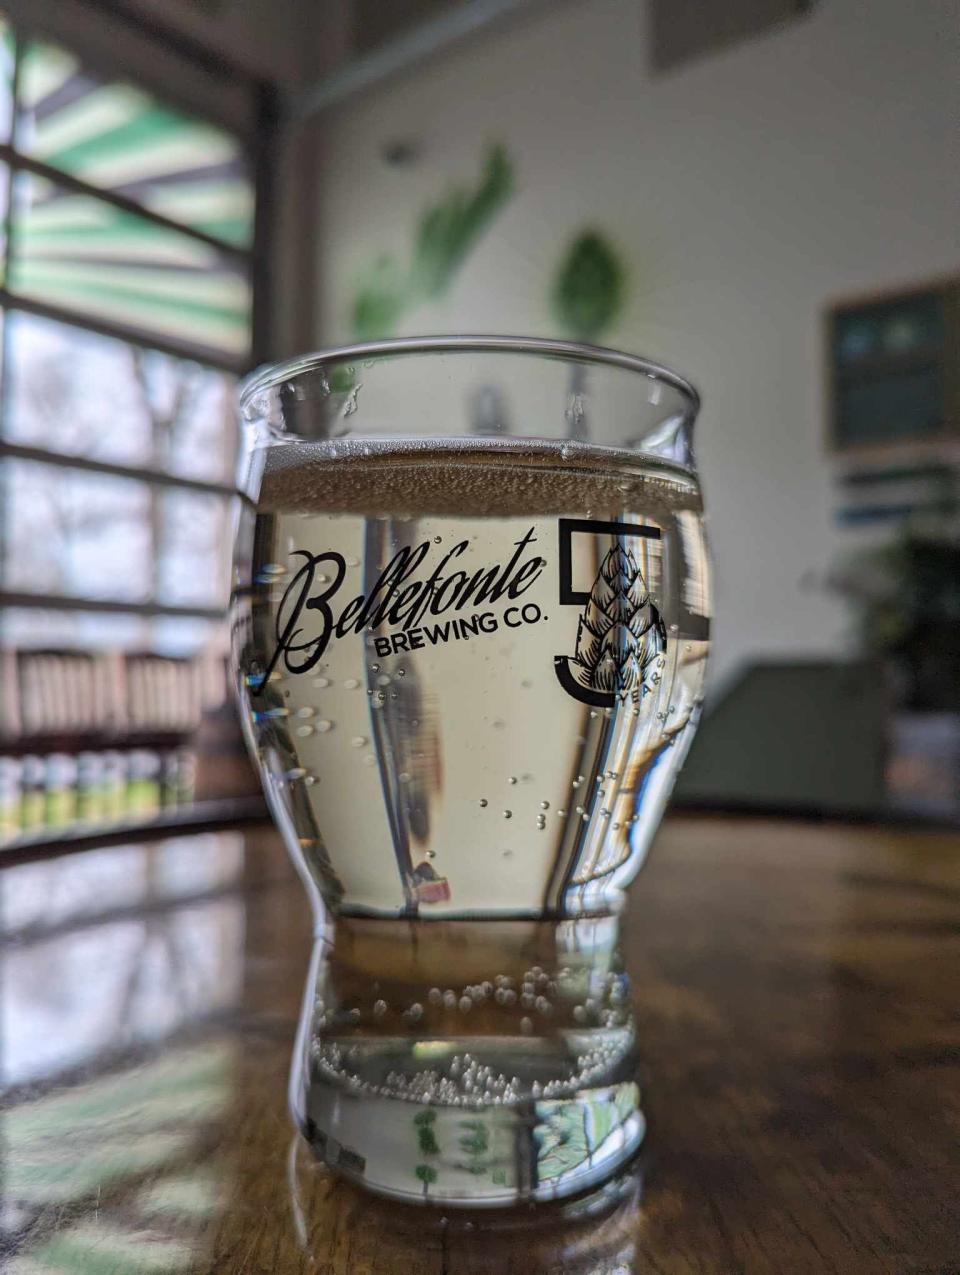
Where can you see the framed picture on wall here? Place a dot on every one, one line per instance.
(893, 363)
(893, 409)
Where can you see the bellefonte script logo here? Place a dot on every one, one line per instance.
(620, 632)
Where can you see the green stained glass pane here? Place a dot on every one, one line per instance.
(100, 262)
(118, 138)
(7, 56)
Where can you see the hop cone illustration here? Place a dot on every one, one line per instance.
(620, 632)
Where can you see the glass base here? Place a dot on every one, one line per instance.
(474, 1063)
(480, 1157)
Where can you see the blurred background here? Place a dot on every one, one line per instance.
(762, 193)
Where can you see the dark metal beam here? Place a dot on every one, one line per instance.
(425, 40)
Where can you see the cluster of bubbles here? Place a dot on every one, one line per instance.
(464, 1081)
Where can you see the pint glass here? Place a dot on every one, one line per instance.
(470, 625)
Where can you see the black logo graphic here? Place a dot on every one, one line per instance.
(621, 632)
(311, 612)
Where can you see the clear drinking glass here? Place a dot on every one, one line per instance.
(471, 617)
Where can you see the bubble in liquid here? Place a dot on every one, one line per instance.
(358, 741)
(541, 822)
(508, 814)
(273, 569)
(483, 802)
(449, 998)
(379, 1008)
(526, 1026)
(306, 712)
(415, 1012)
(438, 540)
(401, 672)
(561, 814)
(506, 854)
(370, 761)
(592, 713)
(544, 805)
(435, 996)
(352, 562)
(304, 731)
(512, 779)
(351, 684)
(383, 680)
(323, 726)
(374, 668)
(310, 780)
(542, 1005)
(321, 681)
(579, 1014)
(298, 772)
(509, 996)
(404, 777)
(464, 1004)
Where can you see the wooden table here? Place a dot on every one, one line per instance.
(797, 990)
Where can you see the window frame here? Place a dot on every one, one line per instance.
(257, 146)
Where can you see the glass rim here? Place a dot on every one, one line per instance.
(270, 375)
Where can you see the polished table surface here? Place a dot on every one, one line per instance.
(796, 986)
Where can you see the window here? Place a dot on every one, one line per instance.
(125, 317)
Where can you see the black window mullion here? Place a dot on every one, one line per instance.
(76, 185)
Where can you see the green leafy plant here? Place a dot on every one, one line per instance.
(586, 298)
(906, 595)
(589, 287)
(446, 235)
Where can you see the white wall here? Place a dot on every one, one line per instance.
(745, 190)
